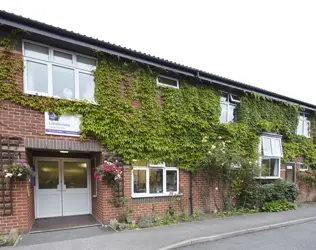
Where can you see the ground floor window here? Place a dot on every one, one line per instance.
(270, 167)
(154, 179)
(270, 151)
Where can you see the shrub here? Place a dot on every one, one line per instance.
(145, 221)
(278, 206)
(259, 194)
(236, 211)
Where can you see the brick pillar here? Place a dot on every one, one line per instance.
(22, 217)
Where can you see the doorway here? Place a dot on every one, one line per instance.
(62, 187)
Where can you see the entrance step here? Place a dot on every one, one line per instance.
(63, 223)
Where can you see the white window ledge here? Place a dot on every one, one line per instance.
(176, 194)
(268, 177)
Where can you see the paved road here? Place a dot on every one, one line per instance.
(301, 236)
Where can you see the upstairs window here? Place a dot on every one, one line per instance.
(57, 73)
(270, 150)
(149, 180)
(167, 81)
(304, 125)
(228, 104)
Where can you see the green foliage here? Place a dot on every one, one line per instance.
(197, 215)
(228, 172)
(145, 221)
(137, 119)
(278, 206)
(261, 114)
(307, 178)
(259, 194)
(236, 211)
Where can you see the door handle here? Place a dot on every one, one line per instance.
(58, 187)
(64, 187)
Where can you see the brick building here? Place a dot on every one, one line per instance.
(64, 183)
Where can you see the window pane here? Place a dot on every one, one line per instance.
(37, 77)
(62, 57)
(167, 81)
(235, 98)
(36, 51)
(86, 63)
(139, 181)
(139, 163)
(224, 97)
(300, 127)
(156, 181)
(267, 147)
(63, 82)
(223, 117)
(276, 147)
(48, 175)
(86, 87)
(172, 180)
(75, 174)
(270, 167)
(231, 113)
(307, 128)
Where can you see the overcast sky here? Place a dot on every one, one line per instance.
(269, 44)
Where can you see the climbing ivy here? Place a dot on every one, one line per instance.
(137, 119)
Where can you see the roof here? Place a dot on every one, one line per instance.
(93, 43)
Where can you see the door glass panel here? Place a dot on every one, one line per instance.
(75, 174)
(48, 175)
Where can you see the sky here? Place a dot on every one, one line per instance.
(264, 43)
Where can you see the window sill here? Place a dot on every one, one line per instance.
(57, 97)
(156, 195)
(268, 177)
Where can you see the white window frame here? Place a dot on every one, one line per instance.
(50, 63)
(303, 116)
(261, 157)
(155, 167)
(166, 85)
(231, 102)
(302, 169)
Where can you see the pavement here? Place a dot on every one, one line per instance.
(184, 234)
(301, 236)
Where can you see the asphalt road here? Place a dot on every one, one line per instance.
(301, 236)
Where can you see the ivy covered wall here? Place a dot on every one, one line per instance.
(140, 120)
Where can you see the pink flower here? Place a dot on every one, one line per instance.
(96, 175)
(22, 160)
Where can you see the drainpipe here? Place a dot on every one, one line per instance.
(191, 198)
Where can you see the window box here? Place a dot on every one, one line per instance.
(154, 180)
(57, 73)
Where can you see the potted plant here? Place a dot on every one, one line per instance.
(108, 171)
(18, 170)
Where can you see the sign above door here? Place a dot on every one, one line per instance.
(66, 125)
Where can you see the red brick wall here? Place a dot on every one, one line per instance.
(106, 211)
(23, 208)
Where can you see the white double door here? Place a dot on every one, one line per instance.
(62, 187)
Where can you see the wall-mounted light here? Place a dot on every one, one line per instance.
(64, 152)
